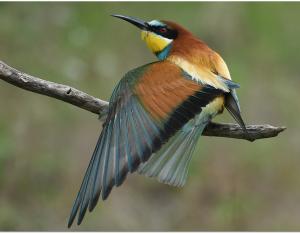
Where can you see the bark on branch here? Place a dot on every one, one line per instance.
(80, 99)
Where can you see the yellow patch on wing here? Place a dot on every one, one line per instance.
(199, 73)
(214, 107)
(155, 42)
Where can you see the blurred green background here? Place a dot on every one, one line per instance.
(45, 144)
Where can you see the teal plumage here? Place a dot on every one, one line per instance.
(164, 53)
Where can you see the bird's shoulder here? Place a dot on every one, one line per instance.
(153, 78)
(157, 72)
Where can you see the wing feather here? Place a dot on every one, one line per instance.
(148, 106)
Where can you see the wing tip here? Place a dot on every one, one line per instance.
(106, 191)
(73, 213)
(81, 216)
(70, 222)
(94, 202)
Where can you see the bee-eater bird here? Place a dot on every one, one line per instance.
(157, 112)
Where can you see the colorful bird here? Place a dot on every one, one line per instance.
(157, 112)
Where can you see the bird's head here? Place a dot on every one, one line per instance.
(158, 35)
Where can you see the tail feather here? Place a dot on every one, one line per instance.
(233, 107)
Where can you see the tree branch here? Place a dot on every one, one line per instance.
(59, 91)
(82, 100)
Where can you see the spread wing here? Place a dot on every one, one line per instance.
(148, 106)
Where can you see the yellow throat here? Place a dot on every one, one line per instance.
(155, 42)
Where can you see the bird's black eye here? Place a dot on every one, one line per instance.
(162, 30)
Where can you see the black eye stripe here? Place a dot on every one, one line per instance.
(164, 31)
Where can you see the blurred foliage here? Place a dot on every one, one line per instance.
(45, 144)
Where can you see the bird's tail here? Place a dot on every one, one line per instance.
(170, 164)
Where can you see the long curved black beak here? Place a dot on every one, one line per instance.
(137, 22)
